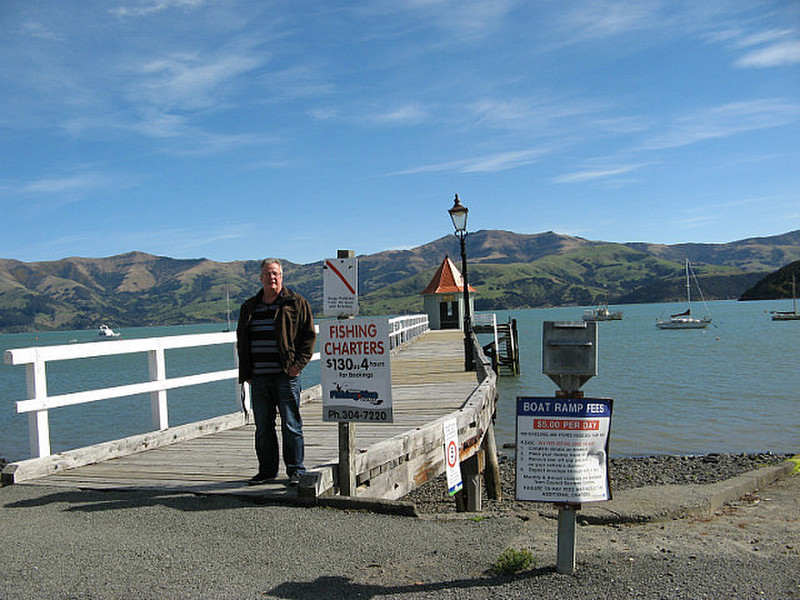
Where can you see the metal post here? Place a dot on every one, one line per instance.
(569, 358)
(567, 513)
(567, 518)
(469, 356)
(347, 435)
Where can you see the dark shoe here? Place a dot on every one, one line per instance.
(260, 478)
(294, 479)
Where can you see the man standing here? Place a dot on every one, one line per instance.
(275, 336)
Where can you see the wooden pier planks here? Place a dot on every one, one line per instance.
(428, 382)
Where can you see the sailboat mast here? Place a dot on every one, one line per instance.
(688, 287)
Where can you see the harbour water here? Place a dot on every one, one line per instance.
(733, 387)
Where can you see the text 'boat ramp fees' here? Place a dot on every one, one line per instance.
(685, 320)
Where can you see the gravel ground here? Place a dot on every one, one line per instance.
(625, 473)
(76, 545)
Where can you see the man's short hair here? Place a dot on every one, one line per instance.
(271, 261)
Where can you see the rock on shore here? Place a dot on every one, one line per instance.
(624, 473)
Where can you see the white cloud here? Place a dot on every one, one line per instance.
(188, 81)
(762, 37)
(502, 161)
(410, 113)
(725, 121)
(40, 31)
(596, 20)
(592, 174)
(143, 9)
(464, 20)
(63, 184)
(776, 55)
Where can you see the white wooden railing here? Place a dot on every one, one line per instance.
(404, 329)
(39, 402)
(488, 320)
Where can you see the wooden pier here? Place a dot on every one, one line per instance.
(428, 386)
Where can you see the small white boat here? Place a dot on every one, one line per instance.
(685, 320)
(602, 313)
(106, 333)
(785, 315)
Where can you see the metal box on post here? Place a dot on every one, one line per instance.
(569, 352)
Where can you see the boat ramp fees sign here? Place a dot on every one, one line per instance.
(355, 370)
(340, 287)
(562, 449)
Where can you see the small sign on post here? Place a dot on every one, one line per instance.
(340, 287)
(452, 457)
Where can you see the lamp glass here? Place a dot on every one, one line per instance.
(459, 216)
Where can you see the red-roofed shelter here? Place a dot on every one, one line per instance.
(443, 299)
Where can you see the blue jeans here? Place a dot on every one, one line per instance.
(272, 394)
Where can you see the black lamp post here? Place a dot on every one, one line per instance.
(459, 216)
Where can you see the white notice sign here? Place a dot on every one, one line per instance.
(355, 370)
(562, 449)
(340, 287)
(451, 456)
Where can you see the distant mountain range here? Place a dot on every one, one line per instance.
(509, 270)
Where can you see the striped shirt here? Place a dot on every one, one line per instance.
(264, 341)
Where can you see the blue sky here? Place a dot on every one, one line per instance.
(240, 129)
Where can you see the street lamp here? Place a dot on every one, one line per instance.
(459, 216)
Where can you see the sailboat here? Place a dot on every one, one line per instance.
(685, 320)
(785, 315)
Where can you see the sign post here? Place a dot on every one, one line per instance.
(354, 365)
(562, 442)
(340, 299)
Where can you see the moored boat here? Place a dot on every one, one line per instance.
(106, 333)
(788, 315)
(685, 320)
(602, 313)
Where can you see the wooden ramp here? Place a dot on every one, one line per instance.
(428, 382)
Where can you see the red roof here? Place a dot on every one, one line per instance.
(447, 280)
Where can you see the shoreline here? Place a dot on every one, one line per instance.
(625, 473)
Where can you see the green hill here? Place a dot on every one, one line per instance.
(509, 271)
(775, 285)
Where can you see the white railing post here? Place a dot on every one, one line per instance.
(38, 421)
(158, 398)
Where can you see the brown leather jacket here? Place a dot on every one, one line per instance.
(294, 325)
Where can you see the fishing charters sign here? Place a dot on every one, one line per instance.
(355, 370)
